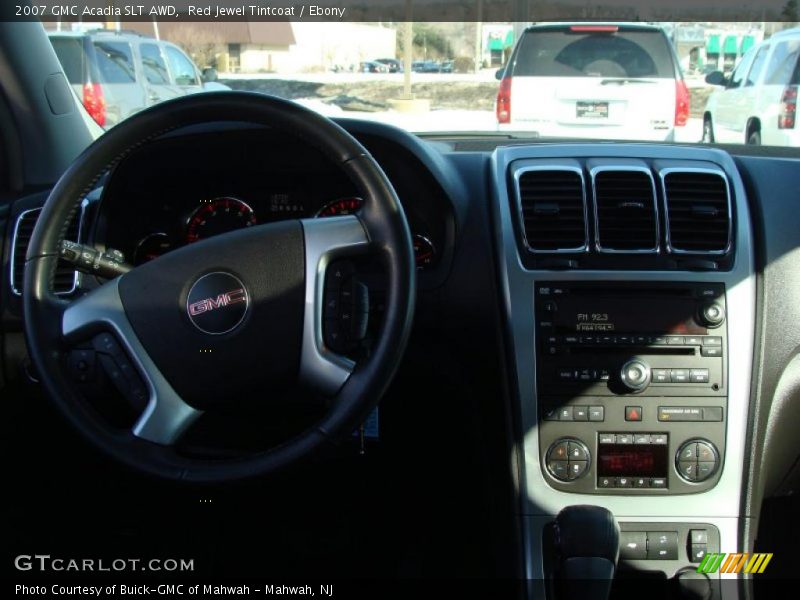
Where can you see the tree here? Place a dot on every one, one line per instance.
(789, 12)
(201, 44)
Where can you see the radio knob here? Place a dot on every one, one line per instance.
(635, 375)
(712, 315)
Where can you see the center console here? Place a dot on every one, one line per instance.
(631, 384)
(627, 275)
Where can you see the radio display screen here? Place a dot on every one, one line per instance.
(632, 460)
(579, 314)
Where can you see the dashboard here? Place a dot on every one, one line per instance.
(184, 189)
(634, 298)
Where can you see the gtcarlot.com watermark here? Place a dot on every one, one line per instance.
(45, 563)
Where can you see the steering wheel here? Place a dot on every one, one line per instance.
(253, 295)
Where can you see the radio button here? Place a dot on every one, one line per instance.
(607, 438)
(608, 339)
(711, 351)
(571, 339)
(679, 375)
(586, 375)
(588, 339)
(577, 452)
(635, 375)
(694, 341)
(642, 340)
(580, 413)
(549, 306)
(712, 315)
(660, 375)
(576, 469)
(675, 340)
(712, 340)
(658, 340)
(698, 375)
(603, 374)
(624, 339)
(566, 375)
(596, 413)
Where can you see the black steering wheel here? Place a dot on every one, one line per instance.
(253, 295)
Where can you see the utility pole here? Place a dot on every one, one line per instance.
(479, 36)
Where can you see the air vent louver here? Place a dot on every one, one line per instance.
(625, 211)
(553, 207)
(64, 282)
(698, 212)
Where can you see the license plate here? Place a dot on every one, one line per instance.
(591, 110)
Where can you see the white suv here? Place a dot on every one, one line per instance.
(593, 80)
(758, 103)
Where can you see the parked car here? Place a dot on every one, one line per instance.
(593, 80)
(116, 74)
(757, 104)
(373, 66)
(395, 66)
(425, 66)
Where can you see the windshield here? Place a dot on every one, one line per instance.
(726, 82)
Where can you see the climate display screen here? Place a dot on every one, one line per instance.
(639, 460)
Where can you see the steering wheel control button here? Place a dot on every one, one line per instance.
(568, 460)
(662, 545)
(346, 307)
(82, 365)
(633, 413)
(635, 375)
(217, 303)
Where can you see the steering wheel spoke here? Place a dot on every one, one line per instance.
(166, 415)
(321, 368)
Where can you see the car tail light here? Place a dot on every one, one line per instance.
(95, 102)
(682, 103)
(503, 108)
(788, 108)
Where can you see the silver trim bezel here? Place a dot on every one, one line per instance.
(593, 172)
(76, 279)
(518, 173)
(662, 174)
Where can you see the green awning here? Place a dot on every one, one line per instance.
(712, 46)
(495, 44)
(747, 42)
(731, 47)
(509, 39)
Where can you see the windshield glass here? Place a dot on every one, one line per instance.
(728, 82)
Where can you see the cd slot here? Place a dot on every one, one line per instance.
(628, 350)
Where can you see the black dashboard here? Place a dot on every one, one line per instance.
(490, 280)
(189, 187)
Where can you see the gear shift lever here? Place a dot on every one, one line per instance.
(587, 542)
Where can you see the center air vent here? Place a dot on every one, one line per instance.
(65, 278)
(553, 208)
(625, 210)
(698, 211)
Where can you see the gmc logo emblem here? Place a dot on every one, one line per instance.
(221, 301)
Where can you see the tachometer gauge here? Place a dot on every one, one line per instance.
(216, 216)
(342, 206)
(151, 246)
(424, 250)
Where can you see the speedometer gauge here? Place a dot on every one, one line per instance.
(216, 216)
(342, 206)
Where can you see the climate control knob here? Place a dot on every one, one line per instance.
(635, 375)
(712, 315)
